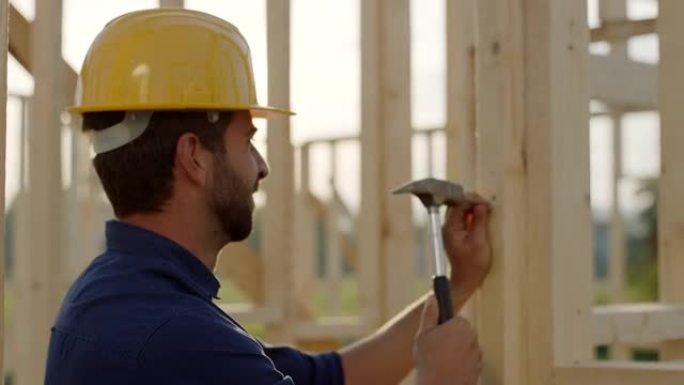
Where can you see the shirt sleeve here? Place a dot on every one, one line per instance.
(307, 369)
(195, 349)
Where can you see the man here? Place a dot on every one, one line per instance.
(168, 97)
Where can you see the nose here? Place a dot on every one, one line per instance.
(262, 166)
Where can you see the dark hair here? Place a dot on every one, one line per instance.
(138, 177)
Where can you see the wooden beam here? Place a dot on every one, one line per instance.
(386, 229)
(501, 176)
(569, 226)
(637, 324)
(612, 13)
(43, 280)
(621, 374)
(20, 37)
(280, 189)
(460, 129)
(623, 83)
(244, 268)
(533, 164)
(305, 245)
(617, 250)
(248, 313)
(339, 327)
(20, 40)
(4, 38)
(621, 30)
(333, 257)
(671, 183)
(460, 118)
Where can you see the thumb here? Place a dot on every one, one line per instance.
(430, 316)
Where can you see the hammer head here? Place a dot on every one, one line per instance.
(433, 192)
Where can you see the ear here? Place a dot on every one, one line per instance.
(192, 160)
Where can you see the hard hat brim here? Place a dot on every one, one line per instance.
(257, 111)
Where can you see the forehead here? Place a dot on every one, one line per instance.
(240, 123)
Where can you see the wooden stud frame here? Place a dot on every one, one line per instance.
(4, 41)
(671, 185)
(40, 267)
(532, 162)
(386, 230)
(279, 187)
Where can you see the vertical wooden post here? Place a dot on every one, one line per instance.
(617, 233)
(333, 257)
(4, 41)
(557, 71)
(305, 262)
(533, 163)
(614, 11)
(460, 100)
(617, 236)
(617, 254)
(502, 177)
(671, 186)
(460, 118)
(42, 277)
(386, 228)
(278, 216)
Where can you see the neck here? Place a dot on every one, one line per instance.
(190, 231)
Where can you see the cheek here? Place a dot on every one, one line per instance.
(242, 163)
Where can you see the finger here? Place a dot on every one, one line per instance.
(430, 315)
(475, 198)
(480, 220)
(459, 219)
(455, 217)
(458, 211)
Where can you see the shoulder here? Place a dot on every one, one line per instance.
(200, 347)
(201, 328)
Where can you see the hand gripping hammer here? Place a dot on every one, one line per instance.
(434, 193)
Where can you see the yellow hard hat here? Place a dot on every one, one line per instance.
(168, 59)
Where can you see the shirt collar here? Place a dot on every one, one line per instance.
(138, 241)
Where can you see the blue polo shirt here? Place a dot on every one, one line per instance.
(142, 313)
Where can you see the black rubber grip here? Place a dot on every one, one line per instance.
(443, 293)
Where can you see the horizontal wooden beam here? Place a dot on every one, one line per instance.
(325, 328)
(20, 47)
(623, 83)
(621, 373)
(340, 327)
(244, 268)
(638, 324)
(246, 313)
(623, 30)
(20, 37)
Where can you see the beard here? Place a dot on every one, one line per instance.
(232, 203)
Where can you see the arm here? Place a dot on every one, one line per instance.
(386, 356)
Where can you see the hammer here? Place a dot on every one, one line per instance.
(434, 193)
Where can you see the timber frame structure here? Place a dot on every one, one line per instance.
(519, 82)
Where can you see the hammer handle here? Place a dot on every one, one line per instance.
(443, 293)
